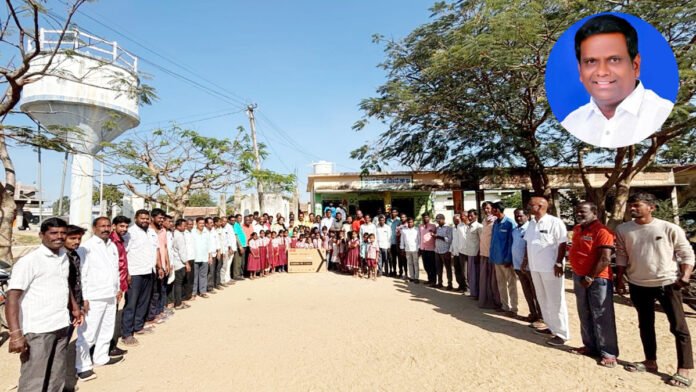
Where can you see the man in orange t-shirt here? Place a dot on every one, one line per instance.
(358, 221)
(590, 257)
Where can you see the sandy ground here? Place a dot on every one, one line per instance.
(327, 332)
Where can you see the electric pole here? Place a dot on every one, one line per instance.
(252, 124)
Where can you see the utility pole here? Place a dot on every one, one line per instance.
(62, 184)
(252, 124)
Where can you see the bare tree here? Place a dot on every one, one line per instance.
(179, 162)
(20, 33)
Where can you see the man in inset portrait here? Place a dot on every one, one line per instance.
(621, 110)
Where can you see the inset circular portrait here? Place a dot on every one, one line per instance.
(612, 80)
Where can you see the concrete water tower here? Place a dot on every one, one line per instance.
(88, 88)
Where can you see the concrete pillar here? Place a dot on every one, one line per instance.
(81, 183)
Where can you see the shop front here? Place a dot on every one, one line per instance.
(413, 193)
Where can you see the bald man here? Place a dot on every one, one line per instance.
(546, 239)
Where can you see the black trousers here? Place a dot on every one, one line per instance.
(214, 274)
(670, 297)
(137, 304)
(187, 286)
(429, 264)
(460, 262)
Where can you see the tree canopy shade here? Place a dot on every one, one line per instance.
(466, 91)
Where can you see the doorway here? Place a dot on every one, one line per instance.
(370, 206)
(404, 206)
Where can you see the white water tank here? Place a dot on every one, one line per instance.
(87, 88)
(323, 167)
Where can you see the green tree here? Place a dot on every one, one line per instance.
(200, 199)
(112, 196)
(465, 92)
(56, 206)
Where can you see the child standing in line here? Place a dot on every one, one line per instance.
(272, 255)
(333, 252)
(341, 251)
(294, 239)
(363, 254)
(285, 245)
(371, 256)
(353, 257)
(263, 250)
(254, 262)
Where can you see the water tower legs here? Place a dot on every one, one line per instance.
(81, 183)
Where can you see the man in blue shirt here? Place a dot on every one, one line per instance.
(519, 246)
(501, 257)
(242, 247)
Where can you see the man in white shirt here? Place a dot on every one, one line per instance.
(101, 287)
(190, 256)
(203, 259)
(178, 255)
(142, 258)
(409, 244)
(37, 311)
(327, 221)
(459, 259)
(546, 238)
(368, 227)
(471, 250)
(383, 235)
(621, 110)
(230, 250)
(214, 269)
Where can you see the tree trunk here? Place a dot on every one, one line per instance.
(618, 212)
(8, 208)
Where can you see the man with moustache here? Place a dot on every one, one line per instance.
(143, 261)
(657, 261)
(157, 314)
(101, 287)
(519, 247)
(471, 251)
(37, 311)
(119, 237)
(621, 110)
(501, 257)
(546, 238)
(590, 257)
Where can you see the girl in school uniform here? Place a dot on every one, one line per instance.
(283, 250)
(335, 252)
(363, 254)
(293, 240)
(371, 257)
(263, 250)
(271, 251)
(341, 240)
(254, 262)
(353, 257)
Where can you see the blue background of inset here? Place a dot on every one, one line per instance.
(658, 67)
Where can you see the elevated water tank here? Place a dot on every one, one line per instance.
(323, 167)
(89, 90)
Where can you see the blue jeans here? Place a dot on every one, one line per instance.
(596, 312)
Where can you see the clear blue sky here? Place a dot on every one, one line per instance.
(307, 64)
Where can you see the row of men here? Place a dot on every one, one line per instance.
(157, 264)
(654, 256)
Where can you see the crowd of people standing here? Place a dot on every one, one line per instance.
(160, 265)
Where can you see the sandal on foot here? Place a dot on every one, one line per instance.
(639, 367)
(677, 380)
(608, 362)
